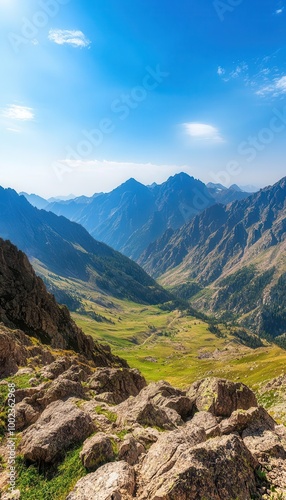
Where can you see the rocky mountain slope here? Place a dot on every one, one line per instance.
(56, 245)
(85, 430)
(224, 195)
(236, 251)
(134, 215)
(28, 309)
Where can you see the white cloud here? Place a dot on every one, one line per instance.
(279, 11)
(241, 70)
(75, 38)
(275, 88)
(21, 113)
(203, 131)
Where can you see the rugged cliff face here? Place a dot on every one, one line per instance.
(26, 305)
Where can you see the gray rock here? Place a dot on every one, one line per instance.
(158, 404)
(218, 469)
(112, 481)
(130, 450)
(59, 427)
(96, 451)
(117, 384)
(208, 422)
(221, 397)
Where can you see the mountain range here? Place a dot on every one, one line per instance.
(133, 215)
(226, 257)
(230, 259)
(56, 246)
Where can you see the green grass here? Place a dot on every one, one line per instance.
(35, 485)
(181, 349)
(21, 382)
(112, 417)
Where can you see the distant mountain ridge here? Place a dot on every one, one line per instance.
(133, 215)
(237, 251)
(66, 249)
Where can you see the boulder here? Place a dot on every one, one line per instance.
(166, 396)
(218, 469)
(116, 384)
(53, 370)
(60, 426)
(112, 481)
(96, 451)
(208, 422)
(239, 420)
(146, 435)
(158, 404)
(26, 415)
(144, 412)
(221, 397)
(61, 389)
(130, 450)
(267, 443)
(21, 394)
(77, 373)
(33, 401)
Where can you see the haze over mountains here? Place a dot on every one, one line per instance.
(222, 249)
(57, 246)
(133, 215)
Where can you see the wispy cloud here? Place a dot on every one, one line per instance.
(20, 113)
(240, 70)
(275, 88)
(203, 132)
(279, 11)
(265, 76)
(220, 71)
(75, 38)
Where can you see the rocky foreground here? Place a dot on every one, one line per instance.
(149, 442)
(211, 442)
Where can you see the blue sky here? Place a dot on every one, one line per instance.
(94, 92)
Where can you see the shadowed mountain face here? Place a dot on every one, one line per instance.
(247, 237)
(133, 215)
(67, 249)
(25, 304)
(225, 195)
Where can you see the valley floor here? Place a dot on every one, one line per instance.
(181, 349)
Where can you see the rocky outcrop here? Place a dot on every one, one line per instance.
(130, 450)
(112, 481)
(116, 384)
(25, 304)
(221, 397)
(221, 468)
(16, 349)
(196, 455)
(30, 403)
(267, 443)
(158, 404)
(60, 426)
(96, 451)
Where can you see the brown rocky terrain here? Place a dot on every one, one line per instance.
(211, 441)
(26, 305)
